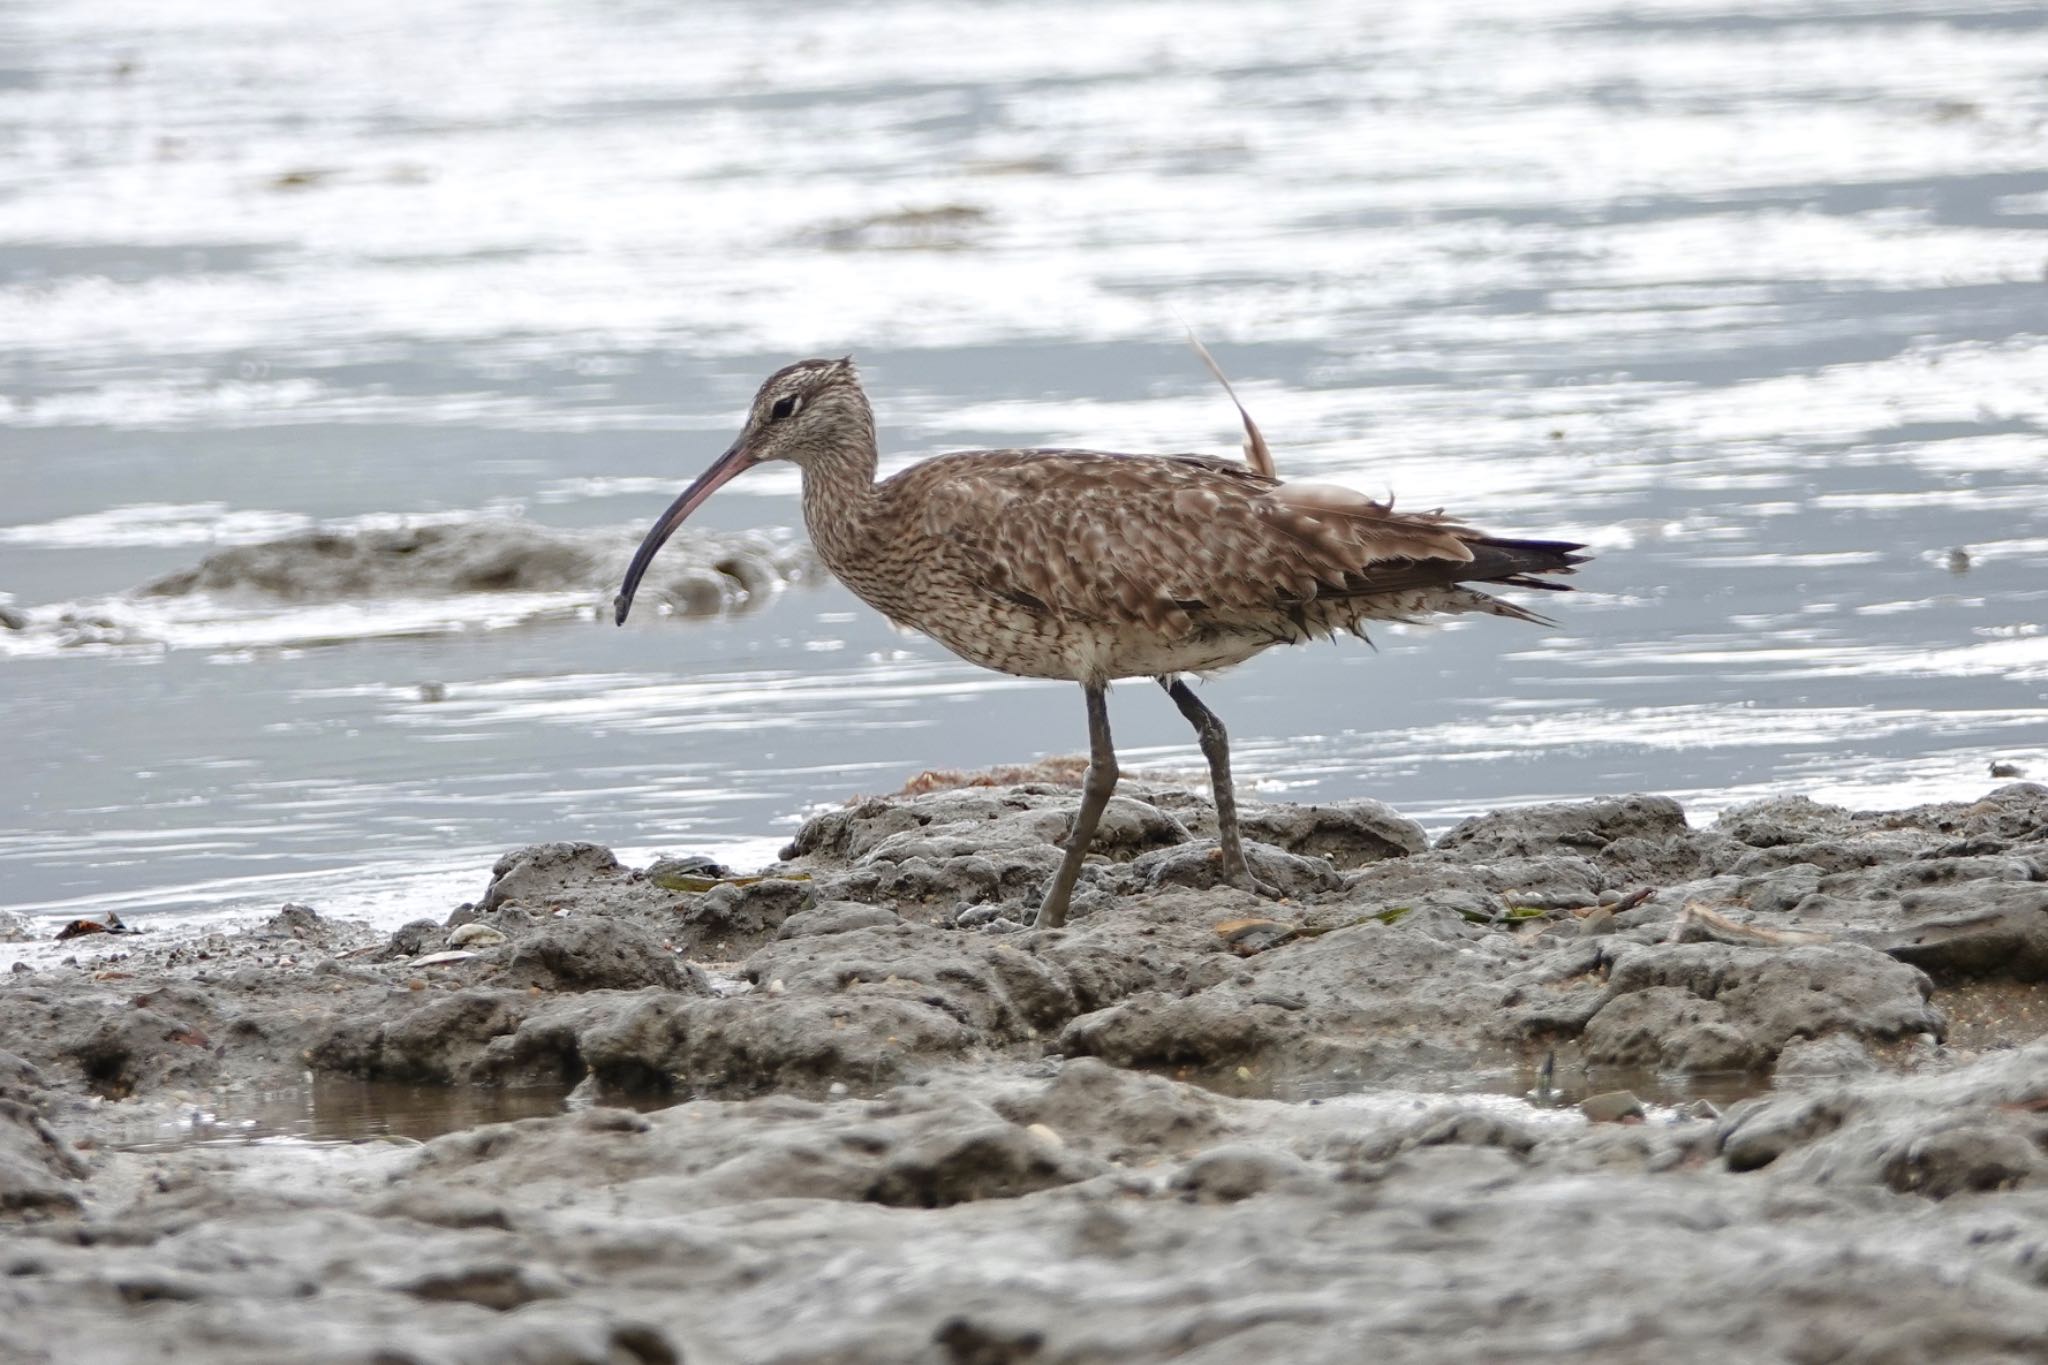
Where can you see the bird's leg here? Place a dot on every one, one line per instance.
(1216, 748)
(1101, 781)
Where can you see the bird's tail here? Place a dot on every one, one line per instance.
(1521, 563)
(1514, 564)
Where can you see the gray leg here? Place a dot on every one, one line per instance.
(1102, 775)
(1216, 748)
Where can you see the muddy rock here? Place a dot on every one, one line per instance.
(1564, 827)
(1978, 1129)
(1357, 1003)
(1346, 833)
(987, 1210)
(113, 1045)
(976, 846)
(913, 1148)
(730, 921)
(985, 1161)
(997, 989)
(1663, 1027)
(1830, 1056)
(1124, 1117)
(837, 917)
(1716, 1007)
(970, 845)
(1480, 891)
(472, 1036)
(39, 1170)
(584, 954)
(897, 1131)
(542, 874)
(1996, 931)
(976, 820)
(701, 573)
(1201, 865)
(1612, 1106)
(1225, 1175)
(805, 1042)
(720, 922)
(300, 923)
(413, 939)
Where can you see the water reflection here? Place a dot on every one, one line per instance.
(328, 1109)
(333, 1110)
(1560, 1086)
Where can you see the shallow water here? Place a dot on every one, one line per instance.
(332, 1110)
(1564, 1086)
(1751, 300)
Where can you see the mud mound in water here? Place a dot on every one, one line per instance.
(359, 582)
(698, 574)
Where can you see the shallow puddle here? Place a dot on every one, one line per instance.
(1563, 1088)
(333, 1110)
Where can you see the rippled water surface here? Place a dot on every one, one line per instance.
(1752, 298)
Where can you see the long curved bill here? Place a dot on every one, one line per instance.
(710, 481)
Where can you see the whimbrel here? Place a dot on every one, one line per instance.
(1090, 567)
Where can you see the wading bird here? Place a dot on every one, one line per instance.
(1089, 567)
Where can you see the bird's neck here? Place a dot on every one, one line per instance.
(839, 495)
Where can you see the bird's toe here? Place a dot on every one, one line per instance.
(1244, 879)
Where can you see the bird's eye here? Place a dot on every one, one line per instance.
(784, 407)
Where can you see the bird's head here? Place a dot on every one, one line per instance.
(803, 413)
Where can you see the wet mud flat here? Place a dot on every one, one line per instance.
(856, 1109)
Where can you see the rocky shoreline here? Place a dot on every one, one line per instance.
(886, 1120)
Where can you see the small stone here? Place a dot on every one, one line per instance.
(295, 921)
(474, 935)
(412, 939)
(1046, 1134)
(1601, 921)
(1612, 1106)
(1834, 1055)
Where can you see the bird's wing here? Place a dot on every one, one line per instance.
(1166, 539)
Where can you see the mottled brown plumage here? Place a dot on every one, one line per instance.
(1090, 567)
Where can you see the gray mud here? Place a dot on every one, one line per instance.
(896, 1123)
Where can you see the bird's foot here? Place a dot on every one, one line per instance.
(1240, 875)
